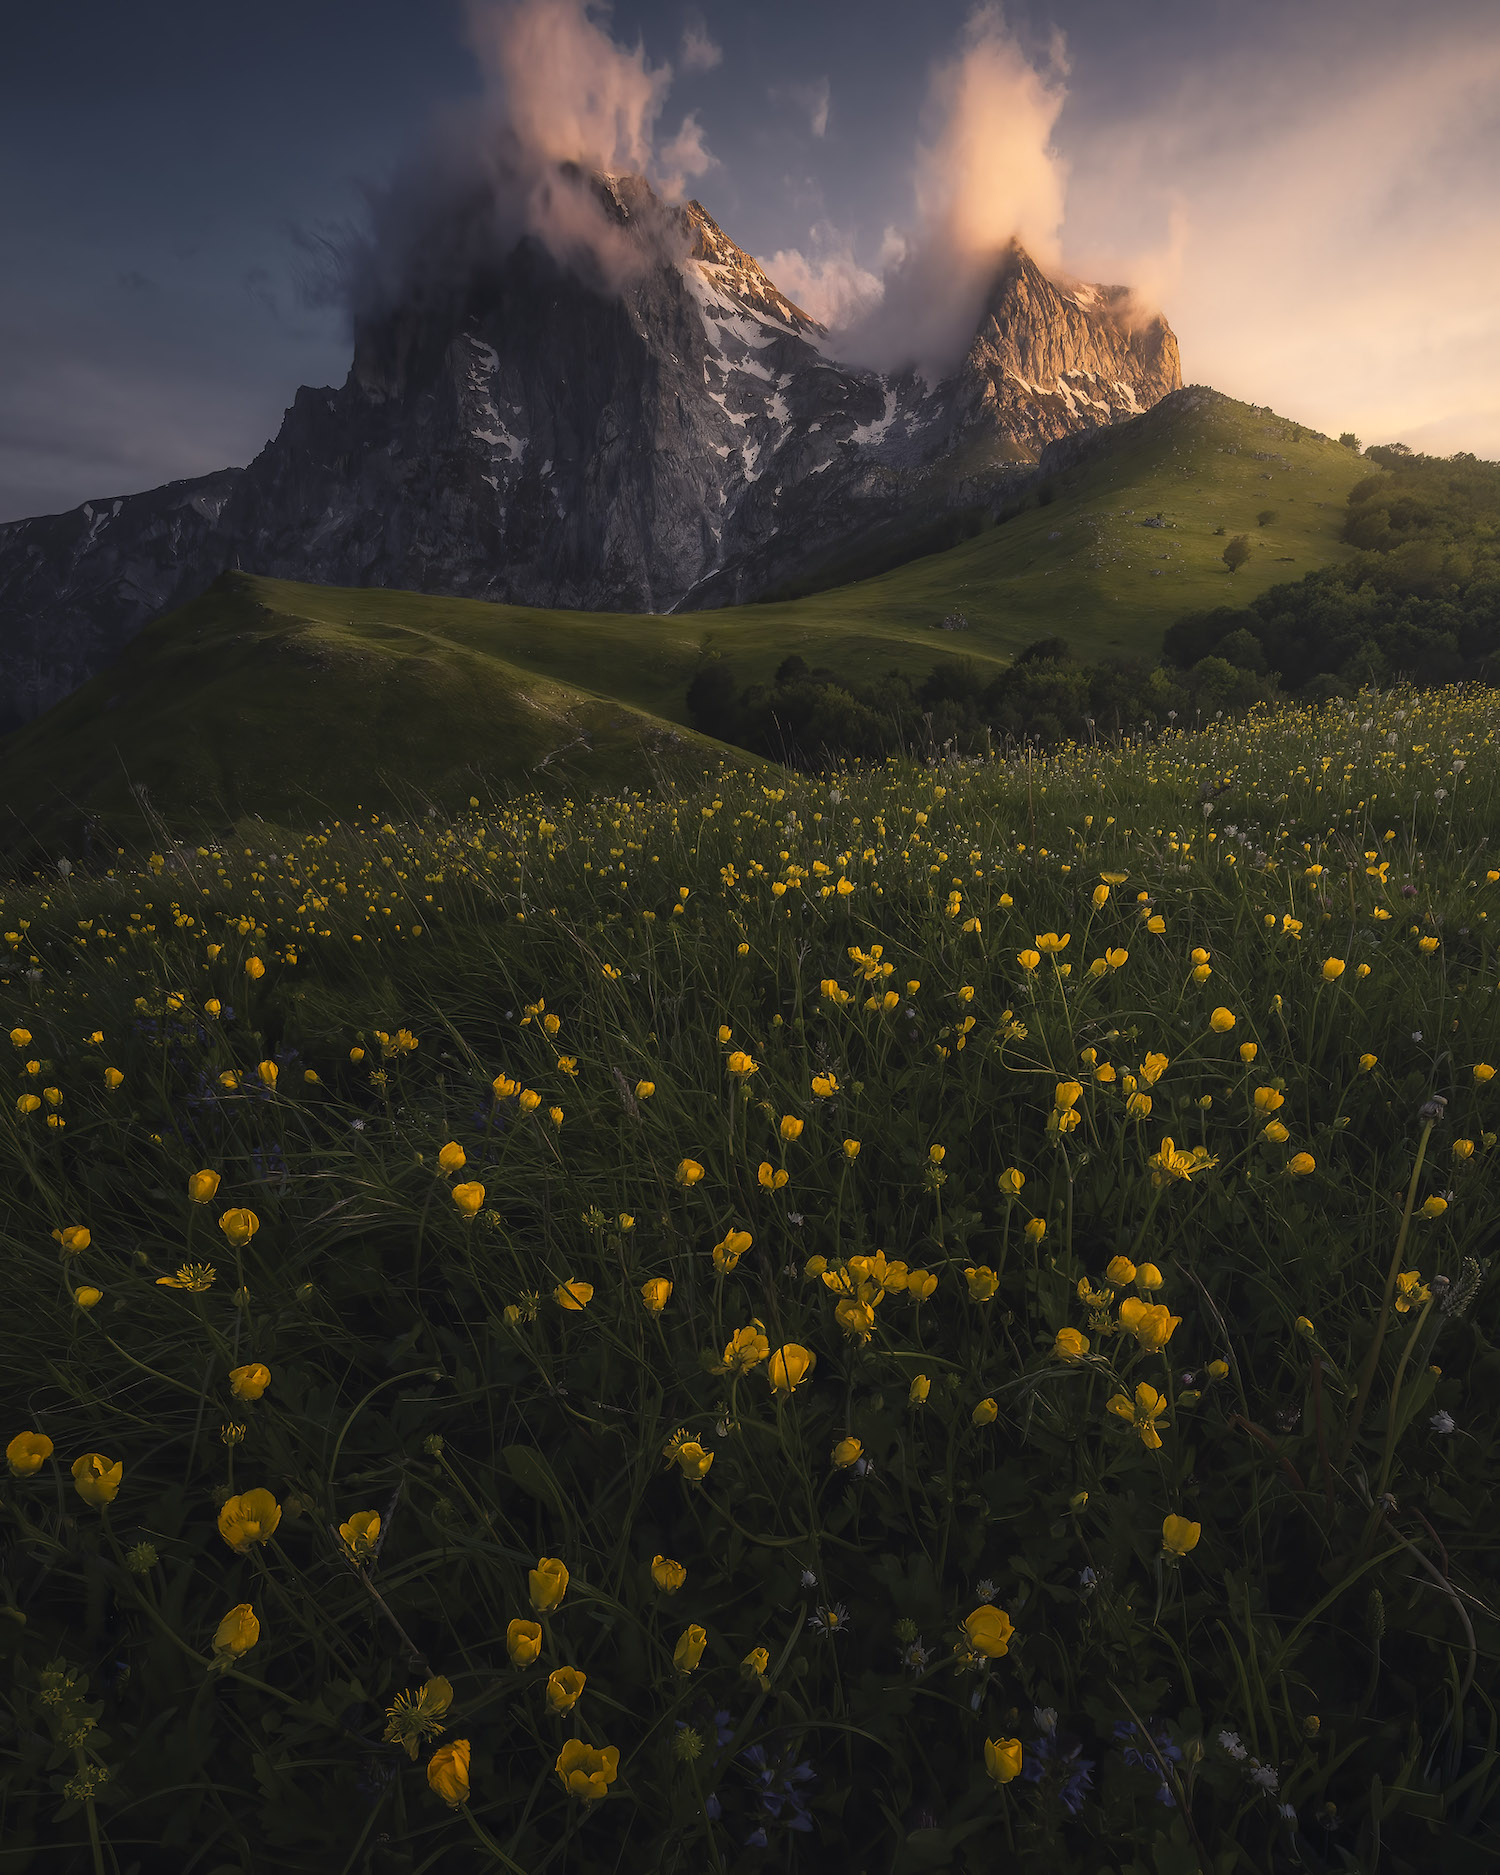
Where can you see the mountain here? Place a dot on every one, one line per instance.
(520, 431)
(298, 701)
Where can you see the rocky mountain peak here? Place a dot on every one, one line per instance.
(651, 426)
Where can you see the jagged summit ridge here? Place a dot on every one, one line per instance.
(679, 437)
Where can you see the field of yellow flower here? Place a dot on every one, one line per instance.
(924, 1319)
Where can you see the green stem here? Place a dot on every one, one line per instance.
(1367, 1370)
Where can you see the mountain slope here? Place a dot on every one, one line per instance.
(283, 699)
(519, 430)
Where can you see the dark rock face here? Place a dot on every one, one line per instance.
(74, 587)
(681, 440)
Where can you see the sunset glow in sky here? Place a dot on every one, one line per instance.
(1308, 192)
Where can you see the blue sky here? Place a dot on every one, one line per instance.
(1308, 192)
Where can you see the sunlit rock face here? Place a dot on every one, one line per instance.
(679, 435)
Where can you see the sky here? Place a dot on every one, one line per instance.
(1309, 192)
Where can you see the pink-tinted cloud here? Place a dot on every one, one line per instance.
(826, 281)
(1320, 226)
(699, 52)
(986, 172)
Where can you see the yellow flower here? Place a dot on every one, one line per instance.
(74, 1239)
(1050, 943)
(1333, 969)
(1434, 1206)
(27, 1103)
(1148, 1276)
(1036, 1228)
(920, 1285)
(788, 1367)
(847, 1452)
(564, 1687)
(989, 1631)
(689, 1172)
(237, 1633)
(1179, 1535)
(790, 1128)
(1366, 1062)
(1070, 1345)
(644, 1089)
(197, 1278)
(1100, 897)
(1138, 1106)
(730, 1248)
(528, 1100)
(770, 1177)
(523, 1642)
(249, 1383)
(1152, 1069)
(1152, 1323)
(1156, 924)
(112, 1078)
(202, 1186)
(1028, 960)
(741, 1065)
(1267, 1099)
(254, 968)
(746, 1348)
(724, 1035)
(1427, 945)
(825, 1086)
(87, 1296)
(656, 1293)
(755, 1666)
(548, 1583)
(689, 1649)
(555, 1115)
(1142, 1412)
(268, 1072)
(361, 1535)
(469, 1198)
(1463, 1149)
(1002, 1759)
(1066, 1095)
(1117, 959)
(239, 1226)
(693, 1461)
(668, 1576)
(249, 1518)
(1411, 1291)
(917, 1393)
(587, 1773)
(413, 1717)
(1248, 1052)
(1301, 1163)
(983, 1283)
(20, 1038)
(452, 1157)
(1483, 1074)
(574, 1296)
(97, 1479)
(28, 1451)
(985, 1414)
(1221, 1021)
(851, 1149)
(1119, 1271)
(448, 1772)
(1011, 1181)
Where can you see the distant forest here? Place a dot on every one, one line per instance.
(1419, 600)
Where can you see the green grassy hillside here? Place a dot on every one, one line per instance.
(265, 696)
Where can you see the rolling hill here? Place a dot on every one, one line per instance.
(274, 698)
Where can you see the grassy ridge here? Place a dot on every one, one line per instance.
(280, 699)
(1118, 1133)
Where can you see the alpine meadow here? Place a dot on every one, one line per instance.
(750, 986)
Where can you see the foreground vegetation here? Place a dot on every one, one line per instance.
(860, 1323)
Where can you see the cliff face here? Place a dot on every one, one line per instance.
(74, 587)
(681, 440)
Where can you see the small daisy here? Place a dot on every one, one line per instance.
(829, 1620)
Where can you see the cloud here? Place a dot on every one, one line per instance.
(561, 102)
(699, 53)
(828, 281)
(810, 100)
(985, 172)
(1331, 252)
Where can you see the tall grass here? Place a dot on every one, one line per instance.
(1116, 1134)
